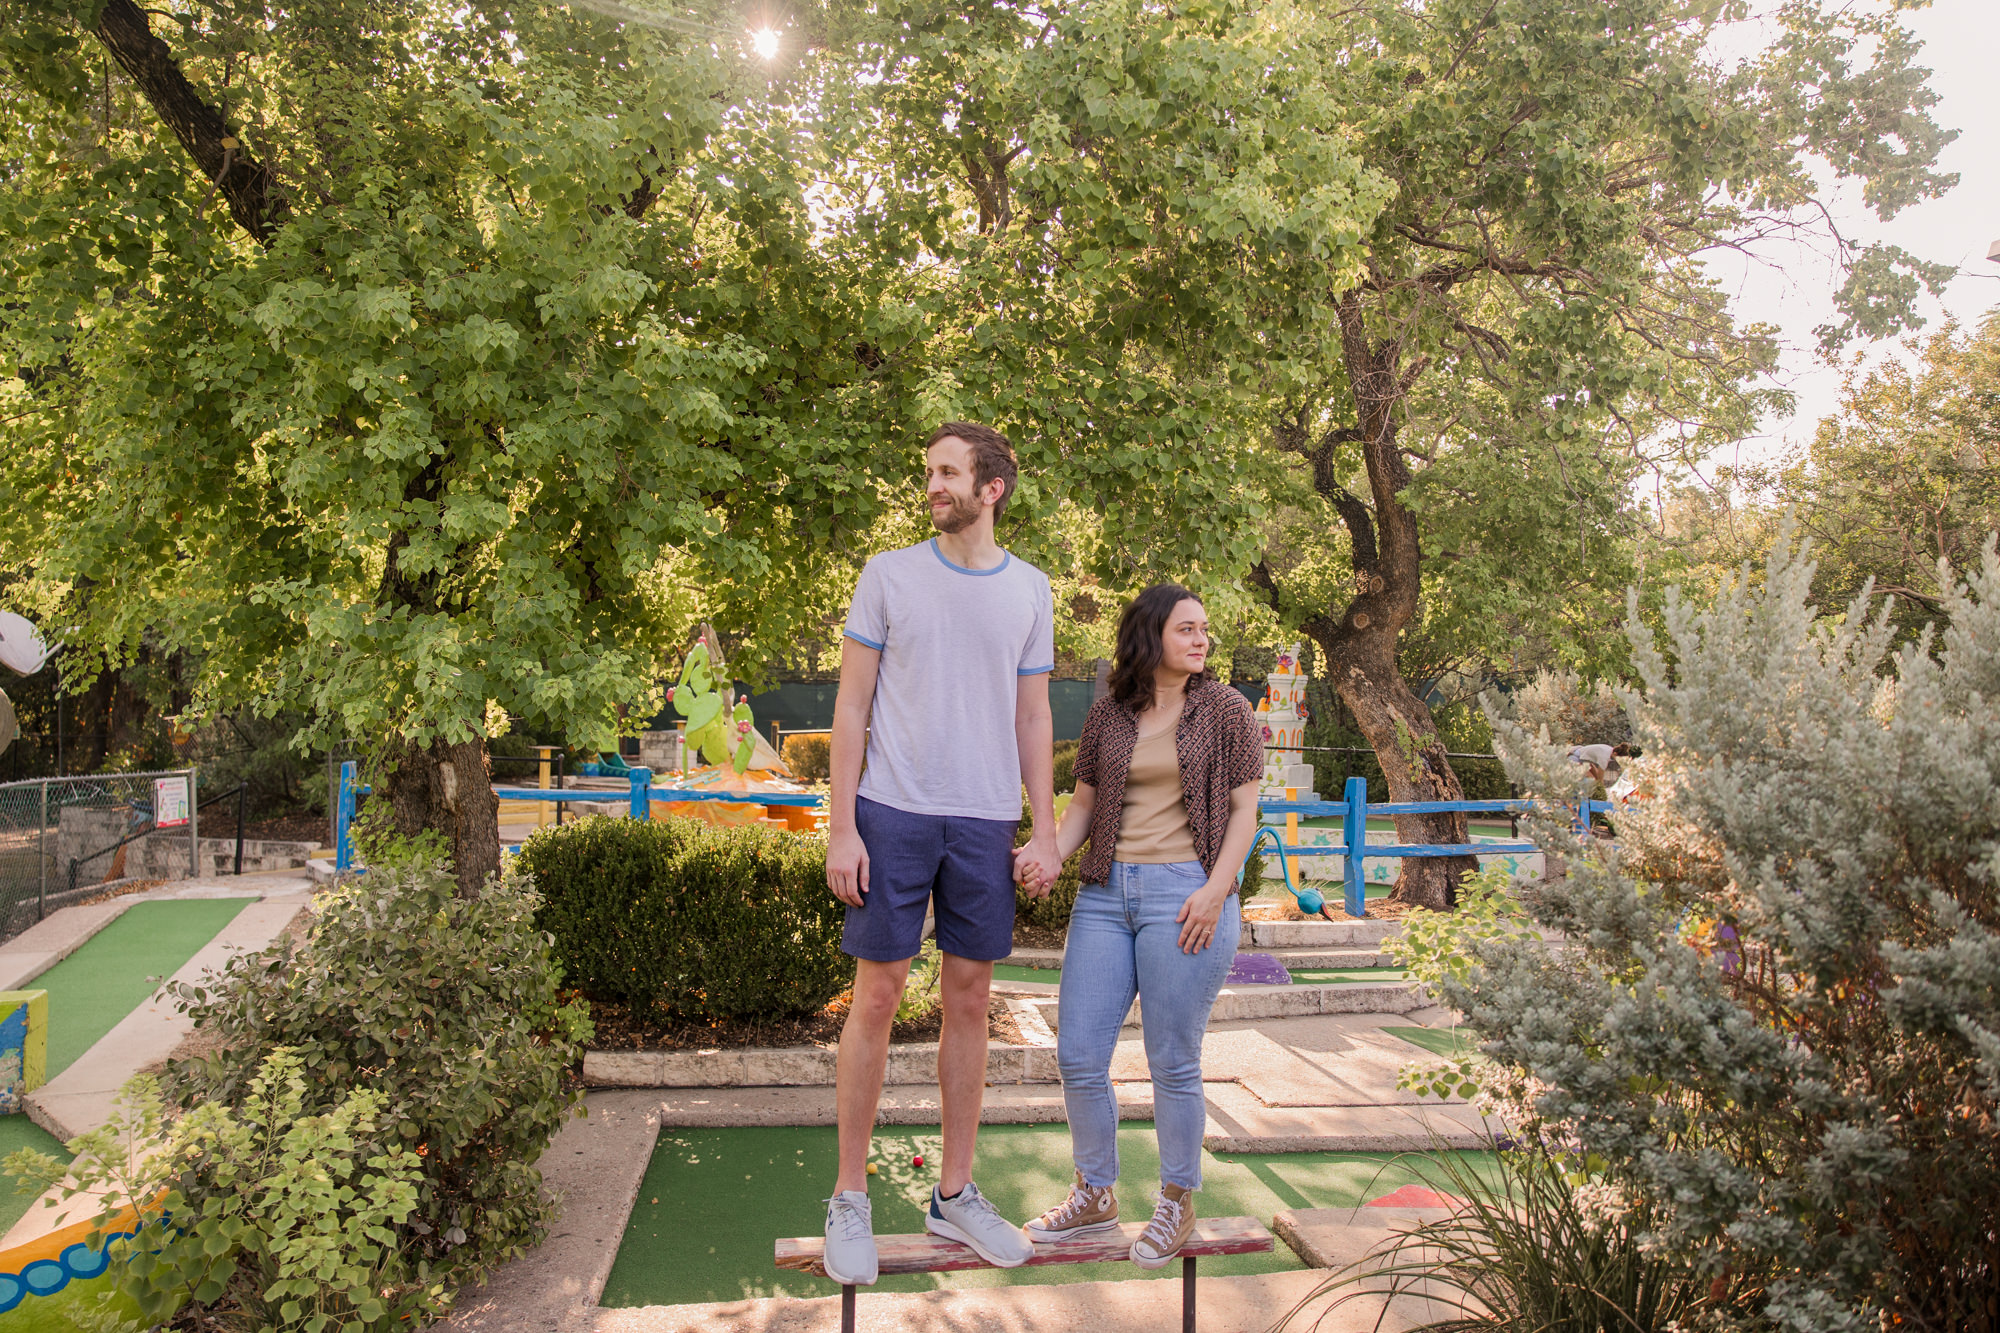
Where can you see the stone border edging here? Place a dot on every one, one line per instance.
(594, 1166)
(796, 1066)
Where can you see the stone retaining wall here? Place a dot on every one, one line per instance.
(796, 1066)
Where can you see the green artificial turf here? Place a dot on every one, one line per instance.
(17, 1132)
(119, 967)
(1008, 972)
(1341, 976)
(111, 974)
(1448, 1042)
(714, 1200)
(82, 1306)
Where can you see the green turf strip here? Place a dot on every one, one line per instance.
(1448, 1042)
(116, 969)
(86, 1305)
(17, 1132)
(111, 974)
(1342, 976)
(1008, 972)
(714, 1200)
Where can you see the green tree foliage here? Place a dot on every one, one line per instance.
(1774, 1025)
(1534, 323)
(395, 359)
(1907, 475)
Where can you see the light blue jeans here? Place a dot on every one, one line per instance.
(1123, 939)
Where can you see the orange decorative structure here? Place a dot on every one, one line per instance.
(799, 818)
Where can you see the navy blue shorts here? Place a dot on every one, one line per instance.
(967, 863)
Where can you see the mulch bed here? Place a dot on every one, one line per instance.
(119, 890)
(1037, 937)
(619, 1030)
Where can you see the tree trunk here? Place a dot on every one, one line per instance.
(1360, 642)
(1399, 728)
(449, 788)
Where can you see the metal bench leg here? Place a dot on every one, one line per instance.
(847, 1310)
(1187, 1294)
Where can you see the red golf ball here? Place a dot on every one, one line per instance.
(918, 1160)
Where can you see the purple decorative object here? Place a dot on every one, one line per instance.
(1257, 969)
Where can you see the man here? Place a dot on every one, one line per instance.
(944, 678)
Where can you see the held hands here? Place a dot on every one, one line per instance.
(1037, 864)
(1199, 914)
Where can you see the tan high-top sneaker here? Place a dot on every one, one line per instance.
(1087, 1209)
(1173, 1221)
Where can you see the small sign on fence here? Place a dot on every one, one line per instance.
(170, 802)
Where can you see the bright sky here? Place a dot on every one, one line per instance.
(1794, 288)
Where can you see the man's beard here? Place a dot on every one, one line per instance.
(964, 512)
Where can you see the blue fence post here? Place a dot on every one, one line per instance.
(642, 796)
(343, 851)
(1354, 832)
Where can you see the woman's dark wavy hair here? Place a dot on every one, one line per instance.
(1138, 652)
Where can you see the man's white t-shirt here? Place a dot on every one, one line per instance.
(955, 643)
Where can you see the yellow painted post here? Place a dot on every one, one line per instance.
(1291, 828)
(542, 807)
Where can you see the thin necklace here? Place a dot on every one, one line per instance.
(1178, 710)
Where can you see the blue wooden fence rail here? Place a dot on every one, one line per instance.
(1353, 812)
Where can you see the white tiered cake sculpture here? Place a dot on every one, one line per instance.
(1283, 716)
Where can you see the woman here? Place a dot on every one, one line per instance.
(1166, 795)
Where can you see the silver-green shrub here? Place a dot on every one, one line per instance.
(1575, 714)
(1776, 1022)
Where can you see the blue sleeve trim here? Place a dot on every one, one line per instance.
(1037, 671)
(870, 643)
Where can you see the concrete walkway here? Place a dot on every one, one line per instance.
(596, 1164)
(82, 1097)
(1281, 1075)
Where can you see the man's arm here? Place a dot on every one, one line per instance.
(846, 858)
(1034, 738)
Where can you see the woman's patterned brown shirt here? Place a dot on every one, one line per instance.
(1218, 743)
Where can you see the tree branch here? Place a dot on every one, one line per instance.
(222, 160)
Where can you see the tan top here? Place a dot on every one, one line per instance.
(1153, 827)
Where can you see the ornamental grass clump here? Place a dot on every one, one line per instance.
(1774, 1027)
(1534, 1245)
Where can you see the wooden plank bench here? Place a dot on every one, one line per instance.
(925, 1253)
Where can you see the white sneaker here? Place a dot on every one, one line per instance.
(971, 1219)
(850, 1239)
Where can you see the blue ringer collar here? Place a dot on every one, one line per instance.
(1005, 560)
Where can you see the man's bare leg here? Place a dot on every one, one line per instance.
(863, 1056)
(965, 986)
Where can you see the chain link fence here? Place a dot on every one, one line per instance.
(64, 838)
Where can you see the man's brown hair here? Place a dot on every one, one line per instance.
(992, 457)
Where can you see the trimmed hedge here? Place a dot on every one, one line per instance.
(1065, 766)
(683, 920)
(809, 757)
(1050, 912)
